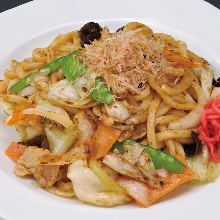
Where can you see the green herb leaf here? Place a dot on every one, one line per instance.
(100, 92)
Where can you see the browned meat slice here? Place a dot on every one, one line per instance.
(30, 159)
(45, 167)
(46, 176)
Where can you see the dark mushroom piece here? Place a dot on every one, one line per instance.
(216, 82)
(120, 29)
(89, 32)
(194, 148)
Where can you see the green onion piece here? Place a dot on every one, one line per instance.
(164, 160)
(72, 68)
(118, 146)
(23, 83)
(56, 64)
(100, 92)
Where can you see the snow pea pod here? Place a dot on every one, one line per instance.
(100, 92)
(166, 161)
(118, 146)
(159, 158)
(56, 64)
(48, 68)
(22, 83)
(72, 68)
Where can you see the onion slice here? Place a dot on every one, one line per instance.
(192, 119)
(51, 112)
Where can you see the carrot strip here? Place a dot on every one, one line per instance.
(145, 196)
(18, 118)
(15, 151)
(173, 182)
(102, 141)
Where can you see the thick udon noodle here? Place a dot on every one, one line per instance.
(153, 110)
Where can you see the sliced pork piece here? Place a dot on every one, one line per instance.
(30, 159)
(46, 176)
(29, 163)
(45, 167)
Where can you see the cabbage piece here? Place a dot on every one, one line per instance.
(27, 132)
(33, 132)
(89, 188)
(21, 132)
(84, 83)
(52, 112)
(61, 193)
(8, 106)
(60, 140)
(27, 91)
(64, 90)
(67, 92)
(213, 171)
(203, 169)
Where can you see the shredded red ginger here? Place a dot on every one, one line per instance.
(125, 60)
(209, 129)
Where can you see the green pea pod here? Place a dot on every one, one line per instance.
(159, 158)
(48, 68)
(100, 92)
(165, 161)
(23, 83)
(72, 68)
(119, 146)
(56, 64)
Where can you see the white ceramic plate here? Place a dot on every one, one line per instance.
(34, 25)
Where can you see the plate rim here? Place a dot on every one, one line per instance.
(13, 215)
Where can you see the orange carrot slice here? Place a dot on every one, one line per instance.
(173, 182)
(18, 118)
(15, 151)
(144, 195)
(102, 141)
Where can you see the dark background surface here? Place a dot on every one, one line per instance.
(7, 4)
